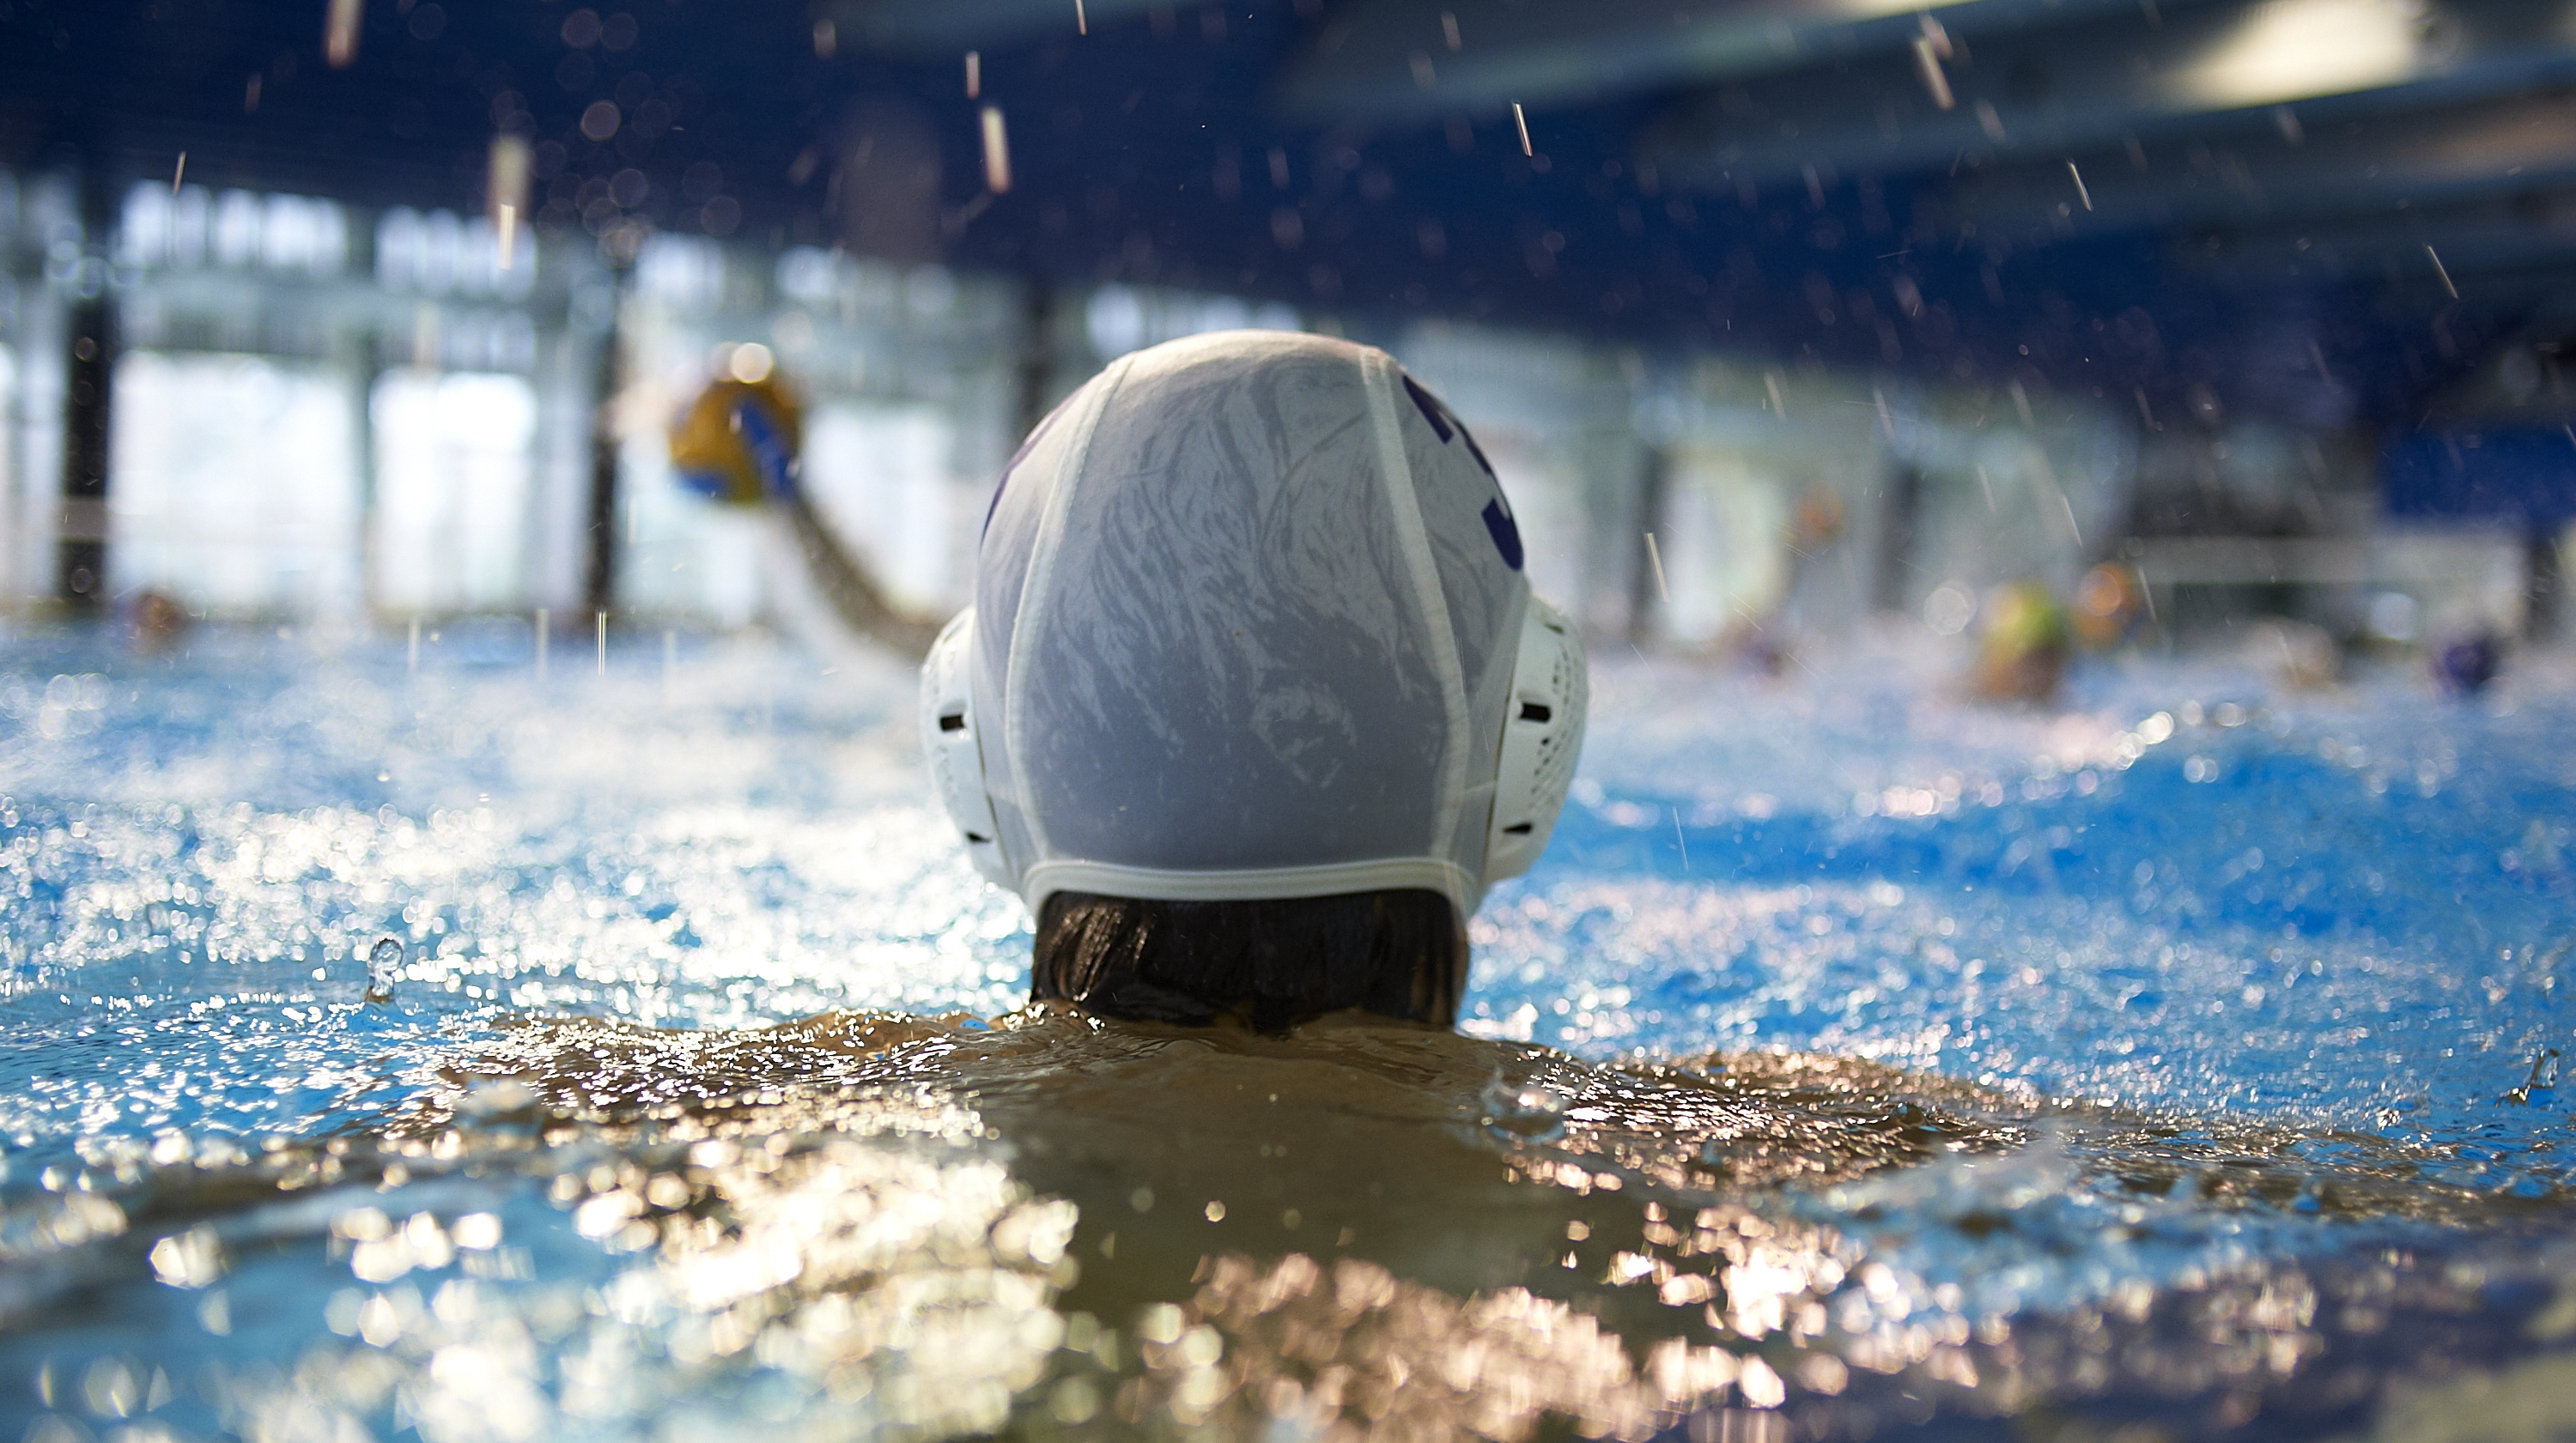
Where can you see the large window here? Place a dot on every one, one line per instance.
(879, 473)
(453, 490)
(236, 483)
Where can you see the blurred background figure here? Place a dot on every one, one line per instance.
(2110, 606)
(740, 443)
(1818, 521)
(2463, 665)
(158, 622)
(1768, 640)
(2023, 651)
(2301, 655)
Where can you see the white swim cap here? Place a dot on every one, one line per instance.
(1250, 622)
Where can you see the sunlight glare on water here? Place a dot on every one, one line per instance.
(460, 1055)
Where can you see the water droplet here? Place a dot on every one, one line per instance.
(502, 1104)
(384, 963)
(1522, 1111)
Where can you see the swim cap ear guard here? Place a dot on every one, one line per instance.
(1543, 721)
(1542, 730)
(948, 736)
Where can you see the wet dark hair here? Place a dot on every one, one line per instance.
(1271, 964)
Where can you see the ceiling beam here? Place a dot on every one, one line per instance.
(938, 29)
(2402, 169)
(2429, 253)
(2111, 81)
(1418, 60)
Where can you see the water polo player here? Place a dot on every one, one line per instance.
(1253, 702)
(739, 444)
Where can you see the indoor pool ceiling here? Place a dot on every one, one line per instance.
(2320, 210)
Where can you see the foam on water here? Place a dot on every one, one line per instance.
(2302, 957)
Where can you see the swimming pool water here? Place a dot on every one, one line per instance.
(2318, 940)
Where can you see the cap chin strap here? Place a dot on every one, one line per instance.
(1542, 730)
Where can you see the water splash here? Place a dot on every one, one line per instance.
(384, 968)
(1522, 1111)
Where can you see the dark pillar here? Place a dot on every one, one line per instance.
(1647, 582)
(1898, 523)
(599, 575)
(2544, 584)
(1037, 355)
(81, 566)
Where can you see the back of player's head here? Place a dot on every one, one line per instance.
(1250, 624)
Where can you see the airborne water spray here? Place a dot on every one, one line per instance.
(384, 968)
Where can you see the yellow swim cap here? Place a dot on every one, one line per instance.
(2023, 650)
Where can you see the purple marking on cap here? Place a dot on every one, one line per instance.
(1429, 408)
(1443, 422)
(1506, 533)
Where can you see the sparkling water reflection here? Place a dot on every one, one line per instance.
(2179, 1063)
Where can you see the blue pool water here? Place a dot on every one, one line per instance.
(2188, 929)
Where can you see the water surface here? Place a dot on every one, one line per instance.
(1858, 1062)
